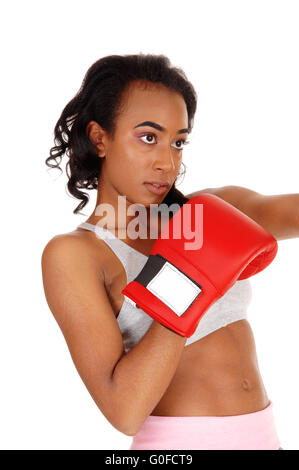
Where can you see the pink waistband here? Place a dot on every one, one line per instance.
(253, 431)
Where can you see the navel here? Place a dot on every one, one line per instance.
(246, 385)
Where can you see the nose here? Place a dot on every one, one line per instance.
(164, 160)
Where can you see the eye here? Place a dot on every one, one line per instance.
(184, 142)
(148, 135)
(152, 136)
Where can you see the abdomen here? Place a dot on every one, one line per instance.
(217, 376)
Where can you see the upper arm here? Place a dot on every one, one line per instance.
(244, 199)
(77, 298)
(271, 212)
(235, 195)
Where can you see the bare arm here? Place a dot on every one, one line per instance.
(278, 214)
(142, 376)
(125, 387)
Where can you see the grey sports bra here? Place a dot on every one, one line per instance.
(134, 322)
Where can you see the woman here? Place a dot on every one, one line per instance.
(123, 132)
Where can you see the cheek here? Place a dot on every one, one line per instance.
(136, 161)
(125, 168)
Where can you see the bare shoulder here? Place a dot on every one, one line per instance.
(75, 248)
(232, 194)
(68, 265)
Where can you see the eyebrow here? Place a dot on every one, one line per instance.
(159, 128)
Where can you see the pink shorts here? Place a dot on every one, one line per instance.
(253, 431)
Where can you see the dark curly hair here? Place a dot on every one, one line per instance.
(99, 98)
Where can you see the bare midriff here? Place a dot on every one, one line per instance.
(217, 376)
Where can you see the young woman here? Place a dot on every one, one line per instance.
(123, 132)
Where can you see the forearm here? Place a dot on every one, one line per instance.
(141, 376)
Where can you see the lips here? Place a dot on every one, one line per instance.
(155, 189)
(160, 183)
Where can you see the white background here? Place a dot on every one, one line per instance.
(242, 58)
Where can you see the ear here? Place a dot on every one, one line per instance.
(97, 136)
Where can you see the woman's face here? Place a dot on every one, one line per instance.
(140, 154)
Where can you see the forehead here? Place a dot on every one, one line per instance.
(150, 101)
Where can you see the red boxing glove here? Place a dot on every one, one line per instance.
(182, 279)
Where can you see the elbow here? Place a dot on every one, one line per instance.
(132, 420)
(129, 426)
(126, 427)
(123, 421)
(132, 430)
(128, 432)
(123, 412)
